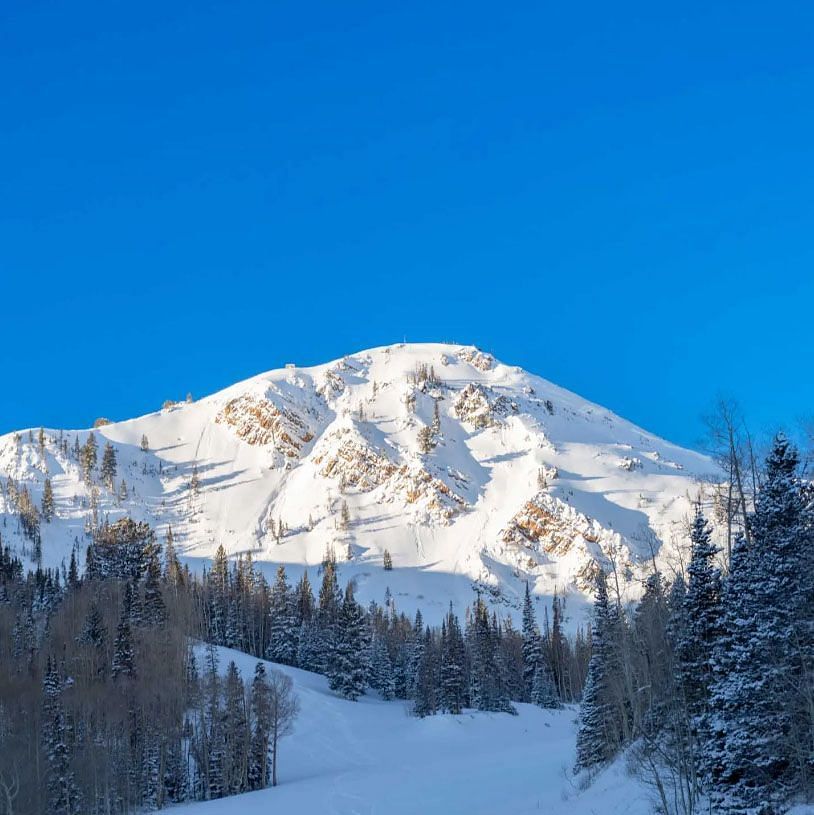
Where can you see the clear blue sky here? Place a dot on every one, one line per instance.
(619, 197)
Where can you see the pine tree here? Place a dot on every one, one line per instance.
(145, 444)
(172, 567)
(453, 656)
(387, 561)
(381, 668)
(762, 659)
(702, 615)
(123, 648)
(543, 693)
(348, 666)
(236, 735)
(63, 796)
(88, 456)
(328, 613)
(532, 643)
(108, 467)
(303, 601)
(283, 632)
(436, 419)
(48, 501)
(425, 441)
(258, 775)
(155, 610)
(425, 697)
(597, 737)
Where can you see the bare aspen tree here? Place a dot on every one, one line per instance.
(283, 709)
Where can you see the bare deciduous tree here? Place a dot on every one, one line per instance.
(284, 707)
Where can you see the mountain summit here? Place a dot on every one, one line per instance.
(465, 472)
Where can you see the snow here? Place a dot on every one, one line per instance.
(370, 756)
(281, 444)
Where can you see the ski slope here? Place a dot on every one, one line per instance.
(371, 758)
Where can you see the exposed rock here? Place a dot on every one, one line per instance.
(356, 464)
(258, 421)
(479, 406)
(551, 527)
(477, 358)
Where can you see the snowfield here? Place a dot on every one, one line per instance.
(515, 480)
(371, 758)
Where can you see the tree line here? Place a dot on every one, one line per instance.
(711, 678)
(103, 706)
(482, 662)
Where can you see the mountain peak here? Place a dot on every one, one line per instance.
(470, 472)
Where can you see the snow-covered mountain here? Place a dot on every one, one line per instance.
(470, 472)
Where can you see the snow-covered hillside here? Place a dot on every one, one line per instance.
(470, 472)
(370, 756)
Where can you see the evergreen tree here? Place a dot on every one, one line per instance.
(543, 693)
(701, 621)
(425, 697)
(453, 656)
(283, 633)
(348, 667)
(425, 440)
(108, 467)
(258, 775)
(48, 501)
(63, 795)
(597, 737)
(387, 561)
(73, 569)
(303, 600)
(236, 735)
(123, 647)
(155, 610)
(532, 643)
(762, 660)
(381, 668)
(87, 457)
(436, 419)
(328, 612)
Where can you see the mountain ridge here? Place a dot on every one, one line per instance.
(472, 473)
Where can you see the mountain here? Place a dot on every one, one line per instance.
(471, 473)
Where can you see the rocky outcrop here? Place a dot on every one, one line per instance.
(258, 421)
(479, 406)
(547, 526)
(477, 358)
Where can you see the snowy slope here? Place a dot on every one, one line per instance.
(525, 481)
(370, 756)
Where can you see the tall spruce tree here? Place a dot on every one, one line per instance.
(108, 467)
(701, 619)
(48, 501)
(763, 657)
(597, 737)
(532, 643)
(452, 669)
(348, 664)
(283, 632)
(426, 703)
(258, 773)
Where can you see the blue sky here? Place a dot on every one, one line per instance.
(618, 198)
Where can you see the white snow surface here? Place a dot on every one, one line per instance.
(371, 757)
(295, 443)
